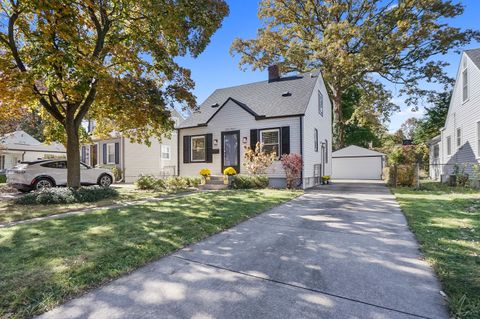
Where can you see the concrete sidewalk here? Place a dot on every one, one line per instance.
(341, 251)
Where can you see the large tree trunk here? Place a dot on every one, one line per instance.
(338, 124)
(73, 153)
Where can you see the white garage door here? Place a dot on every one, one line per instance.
(357, 168)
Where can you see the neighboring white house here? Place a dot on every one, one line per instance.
(133, 159)
(19, 146)
(355, 162)
(286, 114)
(459, 139)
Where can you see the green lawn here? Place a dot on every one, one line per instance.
(446, 222)
(45, 263)
(10, 212)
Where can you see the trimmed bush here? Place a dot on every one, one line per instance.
(67, 195)
(3, 178)
(250, 182)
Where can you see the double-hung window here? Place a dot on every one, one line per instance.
(111, 153)
(166, 152)
(198, 148)
(459, 137)
(315, 139)
(465, 80)
(270, 140)
(478, 139)
(449, 145)
(320, 103)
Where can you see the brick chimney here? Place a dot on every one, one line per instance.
(273, 73)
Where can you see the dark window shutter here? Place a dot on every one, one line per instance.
(117, 153)
(326, 151)
(104, 153)
(84, 150)
(186, 149)
(253, 138)
(285, 140)
(209, 144)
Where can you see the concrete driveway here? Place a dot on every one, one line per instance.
(340, 251)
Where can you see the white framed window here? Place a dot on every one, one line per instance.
(320, 103)
(166, 152)
(2, 162)
(270, 140)
(198, 148)
(465, 80)
(111, 153)
(449, 145)
(459, 137)
(315, 139)
(478, 139)
(436, 151)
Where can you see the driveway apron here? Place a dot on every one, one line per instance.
(339, 251)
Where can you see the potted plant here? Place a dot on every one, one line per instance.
(229, 174)
(326, 179)
(205, 173)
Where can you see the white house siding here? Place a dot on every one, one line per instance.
(233, 118)
(141, 159)
(323, 124)
(463, 115)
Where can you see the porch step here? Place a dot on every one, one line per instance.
(215, 186)
(216, 178)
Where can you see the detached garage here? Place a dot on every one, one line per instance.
(354, 162)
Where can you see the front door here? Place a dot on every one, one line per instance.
(231, 150)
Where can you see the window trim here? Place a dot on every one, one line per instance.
(108, 153)
(320, 103)
(315, 139)
(458, 136)
(449, 145)
(168, 148)
(465, 82)
(197, 137)
(279, 140)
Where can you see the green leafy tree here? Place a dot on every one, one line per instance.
(353, 41)
(112, 59)
(409, 127)
(429, 126)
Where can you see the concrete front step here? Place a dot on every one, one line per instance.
(213, 186)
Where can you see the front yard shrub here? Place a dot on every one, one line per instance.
(292, 164)
(67, 195)
(149, 182)
(250, 182)
(3, 178)
(193, 181)
(176, 183)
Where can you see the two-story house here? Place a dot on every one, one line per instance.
(459, 140)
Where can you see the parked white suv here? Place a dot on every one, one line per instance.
(38, 175)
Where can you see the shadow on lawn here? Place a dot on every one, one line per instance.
(44, 263)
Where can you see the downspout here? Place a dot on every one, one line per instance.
(301, 148)
(178, 152)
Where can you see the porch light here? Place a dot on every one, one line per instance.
(244, 140)
(215, 142)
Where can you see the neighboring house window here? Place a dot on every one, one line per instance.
(2, 162)
(449, 145)
(436, 151)
(270, 139)
(478, 139)
(320, 103)
(459, 137)
(166, 152)
(465, 80)
(326, 151)
(110, 153)
(198, 148)
(315, 140)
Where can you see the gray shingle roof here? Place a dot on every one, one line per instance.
(262, 98)
(474, 55)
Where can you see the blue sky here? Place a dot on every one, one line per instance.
(216, 68)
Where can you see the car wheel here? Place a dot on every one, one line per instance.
(105, 180)
(43, 183)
